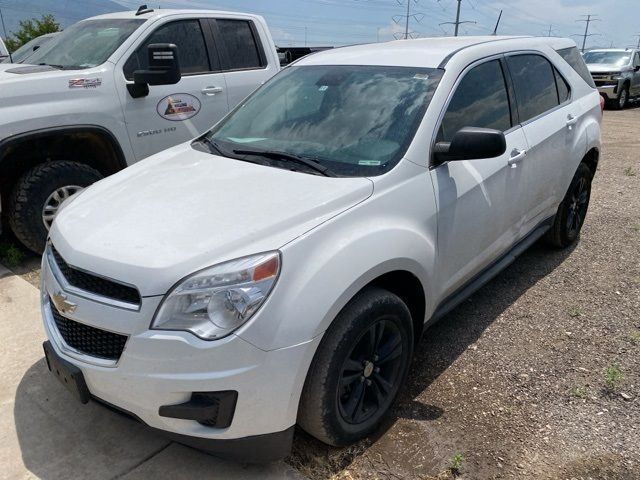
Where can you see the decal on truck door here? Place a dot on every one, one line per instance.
(178, 106)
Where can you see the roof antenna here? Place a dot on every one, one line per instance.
(143, 9)
(495, 30)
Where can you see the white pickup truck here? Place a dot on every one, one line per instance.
(114, 89)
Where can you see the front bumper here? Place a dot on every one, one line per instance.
(160, 368)
(609, 91)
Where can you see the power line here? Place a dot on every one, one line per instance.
(406, 17)
(586, 34)
(457, 23)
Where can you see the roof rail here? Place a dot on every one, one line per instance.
(143, 9)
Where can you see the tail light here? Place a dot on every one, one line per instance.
(601, 103)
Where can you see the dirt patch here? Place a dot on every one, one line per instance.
(538, 374)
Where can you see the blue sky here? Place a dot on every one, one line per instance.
(357, 21)
(340, 22)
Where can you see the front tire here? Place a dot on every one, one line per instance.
(572, 211)
(623, 98)
(38, 194)
(358, 369)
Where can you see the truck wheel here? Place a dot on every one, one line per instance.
(572, 211)
(623, 98)
(38, 194)
(358, 369)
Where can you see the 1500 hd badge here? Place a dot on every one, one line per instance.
(178, 107)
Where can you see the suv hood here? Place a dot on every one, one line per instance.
(182, 210)
(601, 68)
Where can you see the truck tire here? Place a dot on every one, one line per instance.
(623, 98)
(572, 211)
(358, 369)
(37, 195)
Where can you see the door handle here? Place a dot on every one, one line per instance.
(571, 120)
(210, 91)
(516, 157)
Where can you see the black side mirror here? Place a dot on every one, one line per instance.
(636, 68)
(164, 69)
(471, 143)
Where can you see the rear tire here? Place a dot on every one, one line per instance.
(41, 185)
(358, 369)
(572, 211)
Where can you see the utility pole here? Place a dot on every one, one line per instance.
(586, 34)
(406, 17)
(638, 46)
(550, 30)
(457, 23)
(4, 29)
(495, 30)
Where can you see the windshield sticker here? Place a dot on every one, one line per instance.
(247, 140)
(323, 88)
(85, 83)
(369, 163)
(421, 76)
(178, 107)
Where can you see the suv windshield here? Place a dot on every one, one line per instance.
(86, 44)
(608, 58)
(351, 120)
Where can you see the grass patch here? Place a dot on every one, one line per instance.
(575, 312)
(10, 255)
(613, 377)
(455, 463)
(634, 338)
(629, 172)
(579, 392)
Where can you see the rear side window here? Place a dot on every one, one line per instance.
(573, 58)
(240, 43)
(480, 100)
(192, 50)
(563, 87)
(535, 85)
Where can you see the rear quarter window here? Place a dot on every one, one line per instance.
(573, 58)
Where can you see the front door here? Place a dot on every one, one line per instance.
(172, 114)
(479, 206)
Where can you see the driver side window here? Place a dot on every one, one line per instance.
(480, 100)
(192, 50)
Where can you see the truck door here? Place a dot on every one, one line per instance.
(635, 82)
(172, 114)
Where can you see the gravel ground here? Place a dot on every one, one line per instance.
(538, 374)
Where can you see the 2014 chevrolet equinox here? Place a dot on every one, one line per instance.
(279, 269)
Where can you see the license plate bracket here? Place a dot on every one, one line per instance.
(68, 374)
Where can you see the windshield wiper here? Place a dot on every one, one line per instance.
(312, 164)
(213, 146)
(59, 67)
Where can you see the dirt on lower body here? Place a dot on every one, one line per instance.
(538, 374)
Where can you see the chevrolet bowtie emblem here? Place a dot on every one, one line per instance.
(62, 304)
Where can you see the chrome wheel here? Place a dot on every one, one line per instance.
(53, 202)
(371, 372)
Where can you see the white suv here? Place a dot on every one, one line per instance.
(280, 268)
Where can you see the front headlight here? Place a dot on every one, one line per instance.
(218, 300)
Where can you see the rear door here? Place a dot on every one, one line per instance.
(549, 119)
(479, 201)
(243, 56)
(172, 114)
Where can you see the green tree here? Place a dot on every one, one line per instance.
(30, 29)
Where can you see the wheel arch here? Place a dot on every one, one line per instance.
(591, 159)
(22, 152)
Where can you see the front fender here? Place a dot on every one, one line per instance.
(323, 269)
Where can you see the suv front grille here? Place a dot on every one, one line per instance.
(94, 284)
(89, 340)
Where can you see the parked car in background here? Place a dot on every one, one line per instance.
(281, 268)
(616, 73)
(114, 89)
(4, 53)
(26, 50)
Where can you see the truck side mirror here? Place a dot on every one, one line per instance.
(471, 143)
(164, 69)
